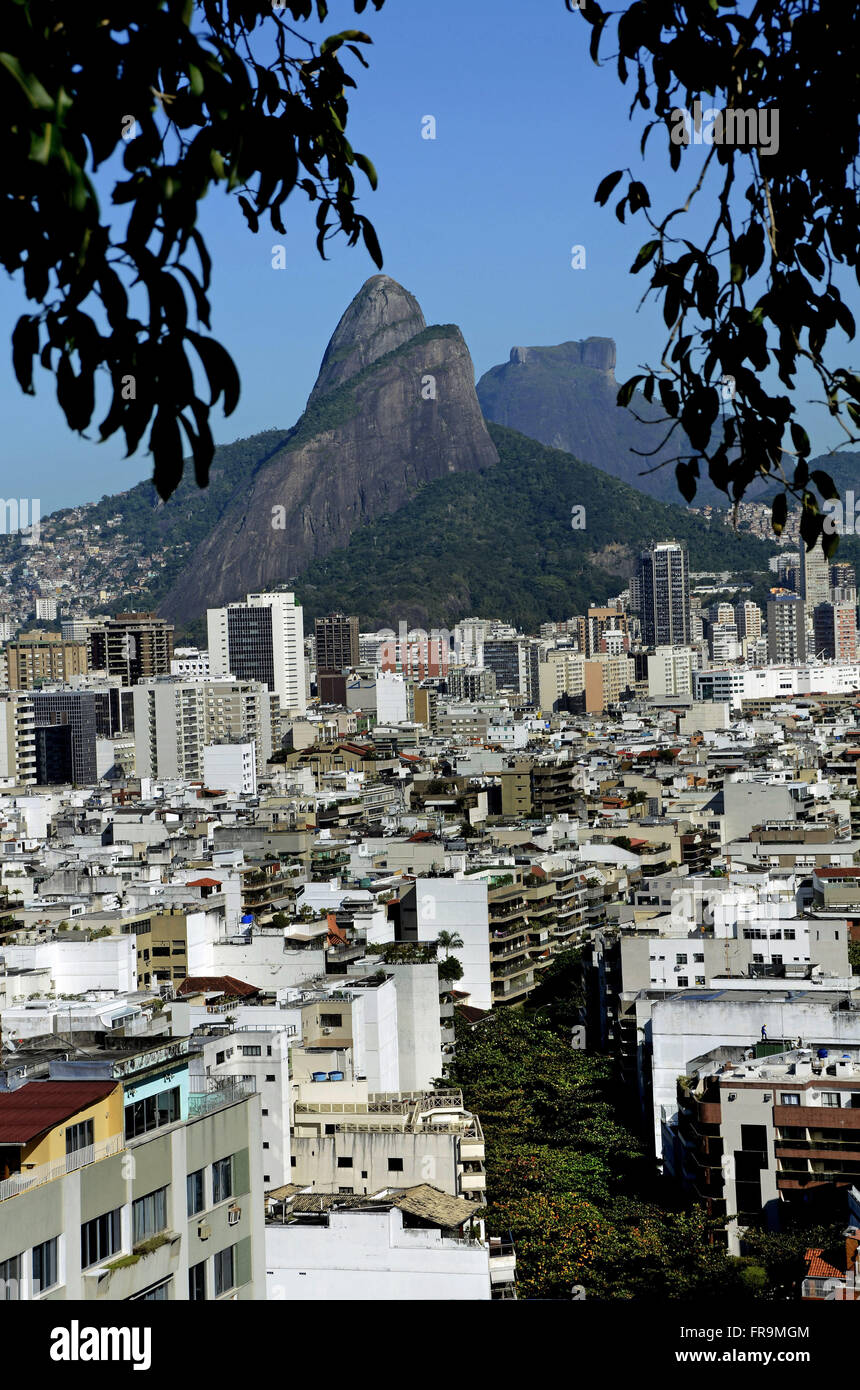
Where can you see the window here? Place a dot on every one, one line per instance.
(700, 979)
(683, 980)
(46, 1271)
(346, 1189)
(270, 1076)
(10, 1280)
(681, 960)
(149, 1215)
(330, 1129)
(268, 1052)
(100, 1238)
(265, 1144)
(754, 1138)
(789, 934)
(222, 1180)
(219, 1058)
(264, 1111)
(79, 1136)
(331, 1020)
(224, 1271)
(195, 1194)
(776, 960)
(197, 1282)
(252, 1051)
(152, 1113)
(159, 1293)
(789, 1098)
(395, 1165)
(699, 959)
(344, 1163)
(831, 1098)
(292, 1160)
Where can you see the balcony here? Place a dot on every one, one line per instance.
(836, 1290)
(47, 1172)
(503, 1267)
(206, 1102)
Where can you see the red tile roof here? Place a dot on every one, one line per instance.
(216, 984)
(336, 934)
(203, 883)
(40, 1105)
(821, 1269)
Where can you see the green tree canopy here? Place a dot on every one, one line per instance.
(170, 98)
(757, 106)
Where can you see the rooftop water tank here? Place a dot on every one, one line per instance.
(335, 1076)
(319, 1076)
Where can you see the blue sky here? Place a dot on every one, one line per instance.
(478, 224)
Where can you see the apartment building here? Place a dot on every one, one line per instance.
(120, 1182)
(42, 658)
(348, 1139)
(132, 646)
(261, 640)
(17, 739)
(336, 638)
(418, 1243)
(174, 721)
(664, 595)
(762, 1136)
(786, 631)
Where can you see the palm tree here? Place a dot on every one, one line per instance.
(449, 941)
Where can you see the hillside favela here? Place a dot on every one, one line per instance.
(430, 822)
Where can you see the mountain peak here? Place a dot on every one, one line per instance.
(598, 353)
(382, 316)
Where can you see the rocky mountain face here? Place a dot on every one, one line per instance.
(393, 408)
(565, 397)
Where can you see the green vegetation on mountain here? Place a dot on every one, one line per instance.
(502, 542)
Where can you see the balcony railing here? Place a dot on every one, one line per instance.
(204, 1102)
(47, 1172)
(836, 1289)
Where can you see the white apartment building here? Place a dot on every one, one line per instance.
(175, 719)
(231, 767)
(771, 682)
(418, 1244)
(261, 639)
(189, 661)
(46, 608)
(260, 1054)
(17, 739)
(670, 671)
(458, 906)
(349, 1139)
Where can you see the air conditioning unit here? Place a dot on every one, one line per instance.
(233, 1215)
(326, 1031)
(204, 1230)
(732, 1095)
